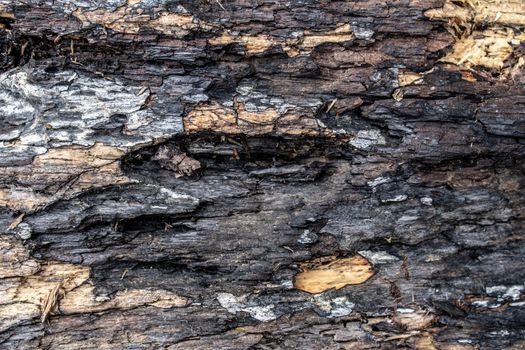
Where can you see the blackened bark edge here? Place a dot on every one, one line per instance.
(181, 174)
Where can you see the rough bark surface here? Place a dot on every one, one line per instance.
(256, 174)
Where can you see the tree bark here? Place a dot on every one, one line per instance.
(237, 174)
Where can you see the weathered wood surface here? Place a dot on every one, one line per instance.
(181, 174)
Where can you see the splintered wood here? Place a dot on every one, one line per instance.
(322, 274)
(38, 289)
(50, 302)
(490, 47)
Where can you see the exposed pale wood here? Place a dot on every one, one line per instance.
(338, 273)
(491, 47)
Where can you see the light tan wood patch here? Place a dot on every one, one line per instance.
(237, 120)
(6, 14)
(305, 42)
(36, 289)
(419, 319)
(77, 168)
(96, 156)
(340, 34)
(326, 273)
(129, 19)
(406, 78)
(211, 116)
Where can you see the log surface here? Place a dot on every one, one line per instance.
(254, 174)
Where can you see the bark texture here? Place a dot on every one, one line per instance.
(255, 174)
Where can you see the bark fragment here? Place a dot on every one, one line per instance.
(177, 161)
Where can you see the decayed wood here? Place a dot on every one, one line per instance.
(262, 174)
(333, 273)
